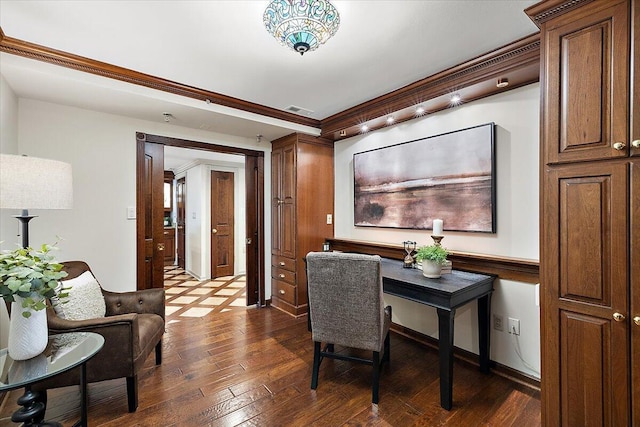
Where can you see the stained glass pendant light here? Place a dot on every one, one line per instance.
(303, 25)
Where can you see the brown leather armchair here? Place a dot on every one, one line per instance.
(132, 328)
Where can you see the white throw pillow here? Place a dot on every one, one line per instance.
(85, 300)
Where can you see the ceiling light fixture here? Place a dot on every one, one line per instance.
(390, 120)
(364, 128)
(167, 117)
(456, 99)
(420, 110)
(303, 25)
(502, 82)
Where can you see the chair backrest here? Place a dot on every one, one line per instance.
(345, 299)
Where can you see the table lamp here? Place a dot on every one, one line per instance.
(34, 183)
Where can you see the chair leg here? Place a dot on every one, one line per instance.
(159, 353)
(316, 365)
(132, 393)
(376, 377)
(387, 348)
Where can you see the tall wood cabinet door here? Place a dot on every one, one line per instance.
(634, 134)
(586, 99)
(276, 173)
(634, 257)
(585, 283)
(288, 205)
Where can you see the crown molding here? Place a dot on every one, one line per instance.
(64, 59)
(473, 79)
(545, 11)
(519, 62)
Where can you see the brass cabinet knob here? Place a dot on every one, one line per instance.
(161, 246)
(636, 320)
(281, 292)
(282, 263)
(619, 146)
(635, 143)
(214, 230)
(618, 317)
(281, 276)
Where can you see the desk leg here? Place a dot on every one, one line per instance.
(484, 334)
(445, 351)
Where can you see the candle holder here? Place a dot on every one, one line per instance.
(437, 239)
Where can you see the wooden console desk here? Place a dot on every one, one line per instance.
(445, 294)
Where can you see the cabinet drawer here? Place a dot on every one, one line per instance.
(283, 262)
(284, 275)
(284, 291)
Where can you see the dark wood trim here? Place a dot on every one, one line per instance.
(544, 11)
(184, 143)
(254, 182)
(473, 79)
(469, 357)
(518, 269)
(87, 65)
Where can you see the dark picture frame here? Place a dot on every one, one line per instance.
(450, 176)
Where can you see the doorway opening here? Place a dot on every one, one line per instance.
(150, 224)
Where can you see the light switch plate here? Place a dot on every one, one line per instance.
(329, 219)
(131, 212)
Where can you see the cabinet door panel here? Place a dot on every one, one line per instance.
(635, 288)
(587, 98)
(591, 237)
(276, 173)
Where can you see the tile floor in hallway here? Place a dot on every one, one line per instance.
(188, 297)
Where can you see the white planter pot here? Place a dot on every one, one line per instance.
(431, 269)
(27, 336)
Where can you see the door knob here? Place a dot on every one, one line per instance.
(635, 143)
(636, 320)
(619, 146)
(618, 317)
(161, 246)
(214, 230)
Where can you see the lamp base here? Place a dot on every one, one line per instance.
(24, 230)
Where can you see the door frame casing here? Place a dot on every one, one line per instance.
(254, 182)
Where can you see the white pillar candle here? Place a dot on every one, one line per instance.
(437, 227)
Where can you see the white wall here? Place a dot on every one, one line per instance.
(516, 115)
(102, 151)
(8, 145)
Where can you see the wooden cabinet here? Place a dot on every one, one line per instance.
(590, 213)
(169, 245)
(302, 196)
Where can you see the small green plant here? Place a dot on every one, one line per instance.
(30, 274)
(432, 253)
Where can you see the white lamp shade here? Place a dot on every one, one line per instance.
(34, 183)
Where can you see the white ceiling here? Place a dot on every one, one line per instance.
(222, 46)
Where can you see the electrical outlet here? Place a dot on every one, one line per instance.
(329, 219)
(497, 322)
(514, 326)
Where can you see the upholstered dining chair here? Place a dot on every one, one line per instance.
(132, 328)
(346, 308)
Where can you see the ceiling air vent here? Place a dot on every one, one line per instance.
(298, 110)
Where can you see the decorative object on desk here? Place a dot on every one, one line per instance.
(34, 183)
(437, 227)
(409, 248)
(449, 176)
(27, 278)
(431, 257)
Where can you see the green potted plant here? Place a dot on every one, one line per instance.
(432, 257)
(27, 278)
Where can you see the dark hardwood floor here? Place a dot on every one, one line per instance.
(252, 367)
